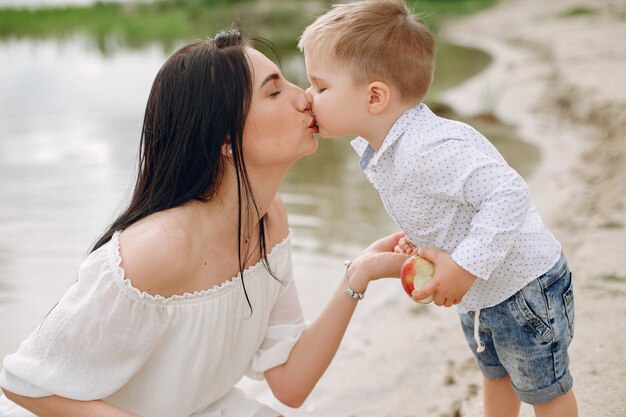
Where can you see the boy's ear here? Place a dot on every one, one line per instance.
(379, 96)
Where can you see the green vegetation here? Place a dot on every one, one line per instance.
(432, 11)
(613, 225)
(167, 22)
(613, 278)
(578, 11)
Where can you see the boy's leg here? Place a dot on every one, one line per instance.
(561, 406)
(531, 332)
(499, 398)
(526, 337)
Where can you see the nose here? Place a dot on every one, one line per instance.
(301, 100)
(309, 96)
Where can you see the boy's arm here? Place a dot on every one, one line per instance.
(502, 201)
(500, 197)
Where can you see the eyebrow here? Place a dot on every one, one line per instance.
(271, 77)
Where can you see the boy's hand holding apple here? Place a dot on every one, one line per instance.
(450, 282)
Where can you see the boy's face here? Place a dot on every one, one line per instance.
(336, 100)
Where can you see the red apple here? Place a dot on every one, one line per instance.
(415, 273)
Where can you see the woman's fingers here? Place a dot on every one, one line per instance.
(388, 243)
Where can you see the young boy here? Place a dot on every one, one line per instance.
(370, 64)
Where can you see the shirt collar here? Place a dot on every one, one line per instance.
(366, 152)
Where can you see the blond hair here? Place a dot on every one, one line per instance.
(378, 40)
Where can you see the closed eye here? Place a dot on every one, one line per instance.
(321, 90)
(275, 93)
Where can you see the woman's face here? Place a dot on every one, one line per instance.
(279, 128)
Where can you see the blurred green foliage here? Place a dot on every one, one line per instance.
(169, 21)
(579, 11)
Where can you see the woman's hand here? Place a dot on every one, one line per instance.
(293, 381)
(379, 260)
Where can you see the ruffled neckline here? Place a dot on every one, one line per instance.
(116, 260)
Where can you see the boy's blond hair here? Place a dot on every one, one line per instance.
(378, 40)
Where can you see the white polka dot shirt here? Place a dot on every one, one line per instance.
(447, 186)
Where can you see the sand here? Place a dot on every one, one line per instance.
(559, 75)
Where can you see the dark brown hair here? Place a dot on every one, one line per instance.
(199, 100)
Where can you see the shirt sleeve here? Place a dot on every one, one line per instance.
(285, 326)
(92, 342)
(497, 193)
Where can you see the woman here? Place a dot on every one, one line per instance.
(155, 325)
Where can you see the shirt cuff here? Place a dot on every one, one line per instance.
(476, 258)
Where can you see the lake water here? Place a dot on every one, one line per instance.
(70, 122)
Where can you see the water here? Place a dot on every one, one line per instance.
(70, 121)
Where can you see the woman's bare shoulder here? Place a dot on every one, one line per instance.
(154, 254)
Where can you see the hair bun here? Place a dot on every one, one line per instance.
(230, 37)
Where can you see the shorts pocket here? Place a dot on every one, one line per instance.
(551, 277)
(568, 301)
(531, 318)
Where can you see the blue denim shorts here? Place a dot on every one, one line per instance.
(526, 337)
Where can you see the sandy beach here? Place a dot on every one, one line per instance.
(559, 75)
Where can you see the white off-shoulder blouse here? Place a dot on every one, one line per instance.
(154, 356)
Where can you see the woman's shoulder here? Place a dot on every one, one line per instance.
(153, 254)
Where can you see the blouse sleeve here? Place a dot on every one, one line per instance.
(285, 326)
(92, 342)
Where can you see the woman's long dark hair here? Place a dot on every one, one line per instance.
(199, 100)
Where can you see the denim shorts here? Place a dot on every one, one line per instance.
(526, 337)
